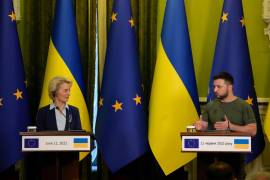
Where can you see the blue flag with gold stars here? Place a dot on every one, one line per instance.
(14, 112)
(232, 56)
(121, 124)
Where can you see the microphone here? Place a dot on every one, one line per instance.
(69, 121)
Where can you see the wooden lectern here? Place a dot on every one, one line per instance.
(216, 141)
(213, 146)
(58, 151)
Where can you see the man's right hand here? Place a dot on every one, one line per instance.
(200, 124)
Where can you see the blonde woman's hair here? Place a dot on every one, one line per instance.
(55, 83)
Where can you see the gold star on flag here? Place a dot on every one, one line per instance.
(18, 94)
(137, 99)
(249, 101)
(242, 21)
(1, 101)
(117, 106)
(100, 102)
(131, 22)
(224, 17)
(12, 16)
(114, 17)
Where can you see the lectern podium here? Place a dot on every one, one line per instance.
(215, 146)
(216, 141)
(58, 151)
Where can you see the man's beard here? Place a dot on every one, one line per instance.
(221, 97)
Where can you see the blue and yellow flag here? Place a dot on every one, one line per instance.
(267, 123)
(174, 100)
(14, 109)
(232, 56)
(64, 59)
(121, 124)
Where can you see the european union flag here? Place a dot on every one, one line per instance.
(121, 125)
(31, 143)
(14, 110)
(64, 60)
(232, 55)
(191, 143)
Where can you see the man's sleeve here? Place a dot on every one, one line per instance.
(249, 116)
(205, 115)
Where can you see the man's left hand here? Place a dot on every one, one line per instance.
(222, 125)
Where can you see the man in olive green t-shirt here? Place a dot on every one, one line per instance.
(227, 111)
(234, 113)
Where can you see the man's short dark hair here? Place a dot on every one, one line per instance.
(225, 76)
(220, 171)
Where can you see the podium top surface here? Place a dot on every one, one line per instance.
(214, 133)
(57, 133)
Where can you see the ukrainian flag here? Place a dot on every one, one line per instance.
(80, 142)
(174, 100)
(64, 59)
(241, 143)
(267, 123)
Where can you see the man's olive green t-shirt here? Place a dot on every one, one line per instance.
(238, 112)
